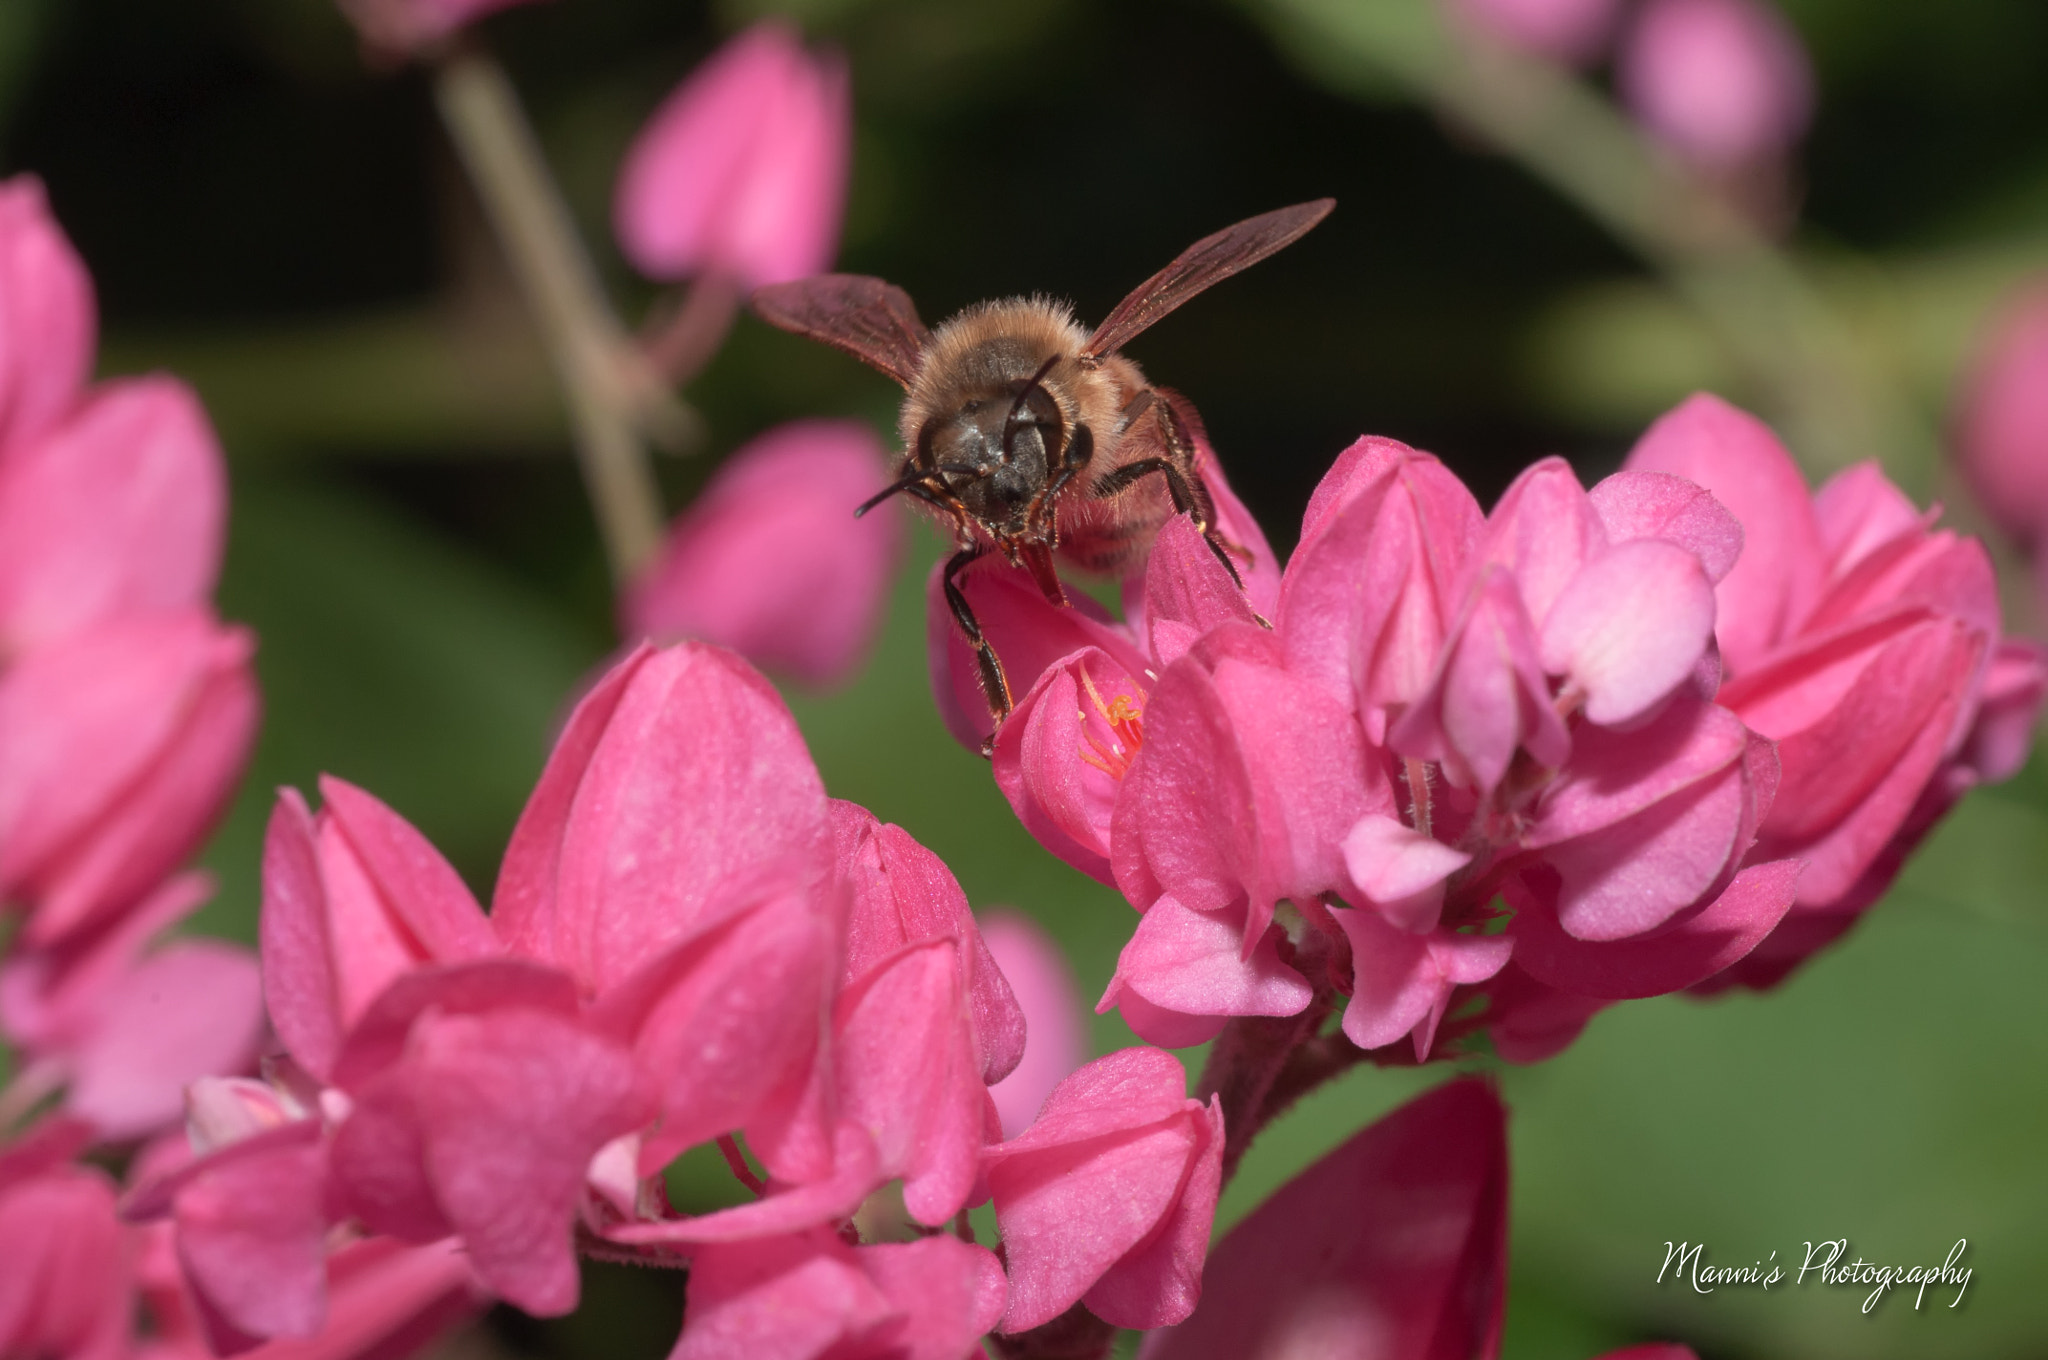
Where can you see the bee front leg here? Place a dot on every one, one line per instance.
(995, 686)
(1080, 449)
(1185, 500)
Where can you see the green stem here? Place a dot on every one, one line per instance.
(611, 391)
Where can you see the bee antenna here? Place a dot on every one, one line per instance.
(894, 488)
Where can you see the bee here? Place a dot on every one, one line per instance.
(1025, 435)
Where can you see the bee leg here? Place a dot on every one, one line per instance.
(1185, 501)
(1080, 449)
(995, 687)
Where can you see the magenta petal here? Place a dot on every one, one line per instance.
(1371, 590)
(1401, 870)
(1543, 531)
(1190, 961)
(1636, 875)
(48, 323)
(903, 894)
(1737, 458)
(770, 561)
(1069, 1214)
(1253, 558)
(419, 887)
(68, 1289)
(1044, 985)
(950, 1292)
(742, 170)
(379, 1163)
(1160, 1283)
(904, 1054)
(1187, 591)
(779, 1298)
(734, 1025)
(298, 973)
(1423, 1274)
(1630, 628)
(1615, 775)
(1061, 757)
(519, 1098)
(1028, 633)
(1690, 952)
(119, 510)
(1859, 509)
(697, 799)
(1121, 1090)
(193, 1009)
(252, 1239)
(382, 1032)
(1725, 84)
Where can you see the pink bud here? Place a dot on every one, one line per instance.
(1571, 31)
(118, 510)
(1393, 1245)
(353, 897)
(680, 795)
(1039, 974)
(1107, 1198)
(742, 171)
(770, 561)
(118, 747)
(47, 319)
(67, 1291)
(1724, 83)
(2002, 417)
(409, 25)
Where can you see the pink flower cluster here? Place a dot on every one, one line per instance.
(1674, 732)
(689, 944)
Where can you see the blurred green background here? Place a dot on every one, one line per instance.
(287, 228)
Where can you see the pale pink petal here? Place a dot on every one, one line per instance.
(1421, 1273)
(1634, 504)
(48, 323)
(1191, 962)
(419, 888)
(743, 169)
(1859, 509)
(2002, 421)
(1543, 531)
(1401, 982)
(298, 969)
(1127, 1089)
(1043, 982)
(1160, 1283)
(193, 1009)
(1400, 869)
(119, 510)
(770, 561)
(1630, 628)
(1737, 458)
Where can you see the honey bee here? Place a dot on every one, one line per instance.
(1025, 435)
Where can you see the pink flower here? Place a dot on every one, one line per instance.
(1043, 982)
(1107, 1198)
(807, 1296)
(68, 1289)
(1394, 1245)
(48, 322)
(1571, 31)
(125, 1030)
(1723, 83)
(1867, 648)
(118, 748)
(2001, 422)
(770, 561)
(118, 510)
(413, 25)
(742, 171)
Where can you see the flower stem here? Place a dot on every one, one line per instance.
(612, 392)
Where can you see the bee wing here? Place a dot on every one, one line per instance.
(875, 322)
(1209, 260)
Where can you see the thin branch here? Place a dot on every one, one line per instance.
(612, 393)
